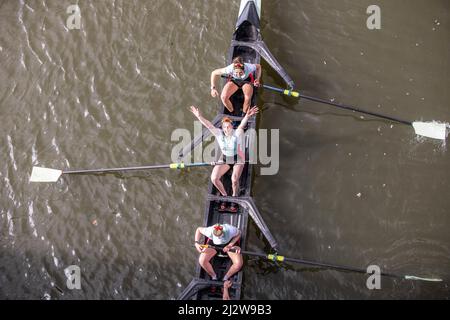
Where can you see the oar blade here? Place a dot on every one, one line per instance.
(423, 279)
(431, 129)
(40, 174)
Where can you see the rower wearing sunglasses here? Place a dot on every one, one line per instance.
(240, 76)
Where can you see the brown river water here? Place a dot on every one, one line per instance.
(352, 191)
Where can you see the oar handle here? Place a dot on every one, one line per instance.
(286, 92)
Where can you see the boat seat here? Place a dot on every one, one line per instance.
(234, 219)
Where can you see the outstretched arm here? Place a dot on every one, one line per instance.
(205, 122)
(249, 114)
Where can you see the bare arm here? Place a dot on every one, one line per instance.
(198, 235)
(250, 113)
(205, 122)
(258, 72)
(234, 240)
(214, 75)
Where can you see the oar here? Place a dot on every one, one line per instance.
(40, 174)
(427, 129)
(279, 258)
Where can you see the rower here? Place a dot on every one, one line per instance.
(233, 153)
(240, 76)
(223, 236)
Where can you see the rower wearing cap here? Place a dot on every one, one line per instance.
(240, 76)
(224, 236)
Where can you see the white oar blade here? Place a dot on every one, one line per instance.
(40, 174)
(423, 279)
(431, 129)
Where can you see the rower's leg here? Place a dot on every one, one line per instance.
(235, 177)
(204, 261)
(228, 90)
(248, 93)
(237, 260)
(216, 175)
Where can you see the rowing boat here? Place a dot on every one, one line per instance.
(246, 43)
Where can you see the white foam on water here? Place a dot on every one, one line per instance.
(49, 209)
(31, 220)
(33, 154)
(10, 223)
(104, 112)
(55, 145)
(11, 151)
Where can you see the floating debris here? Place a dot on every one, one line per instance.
(358, 194)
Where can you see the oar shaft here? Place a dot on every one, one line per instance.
(274, 257)
(162, 166)
(114, 169)
(306, 262)
(318, 264)
(342, 106)
(273, 88)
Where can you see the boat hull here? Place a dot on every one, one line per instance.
(247, 30)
